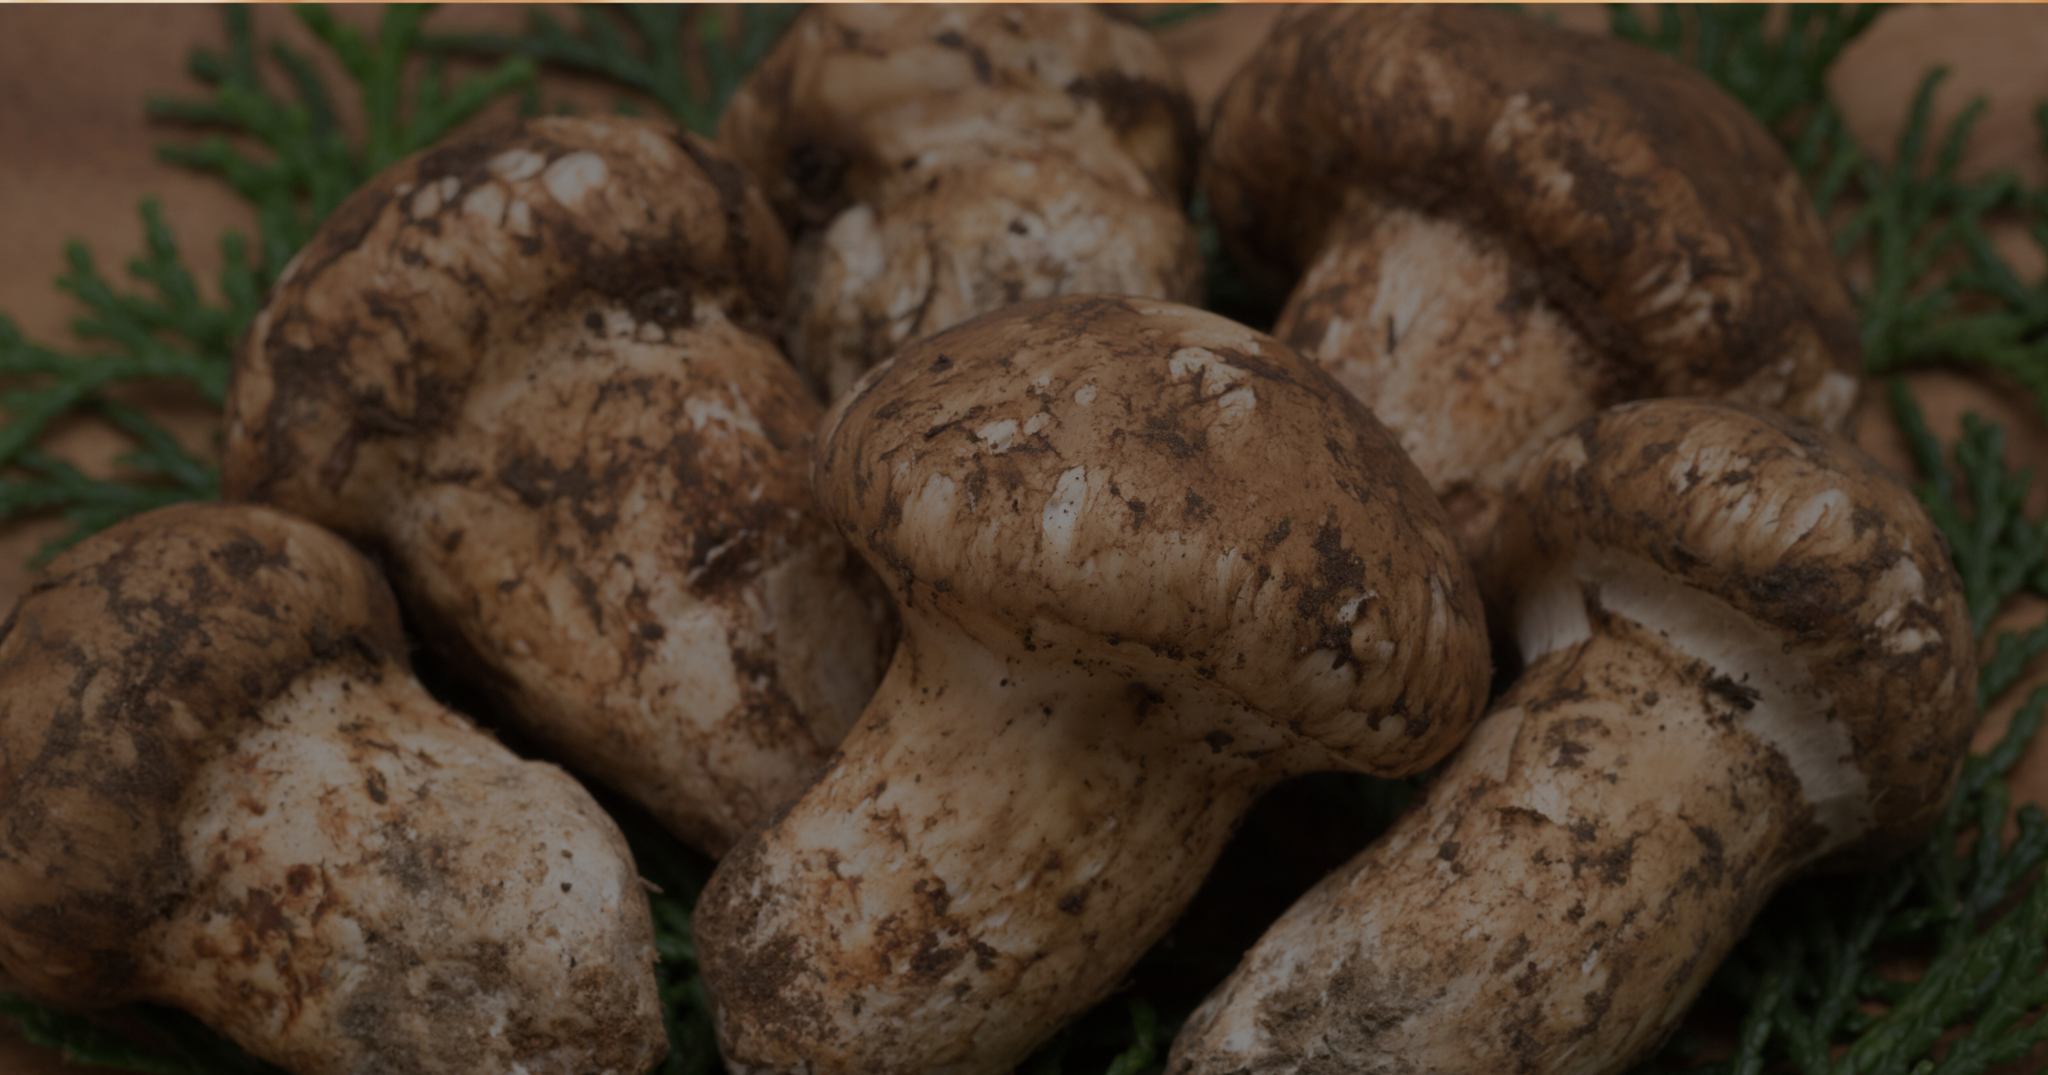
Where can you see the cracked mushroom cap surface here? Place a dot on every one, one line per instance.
(1075, 470)
(939, 161)
(221, 789)
(1772, 548)
(527, 370)
(854, 95)
(1493, 228)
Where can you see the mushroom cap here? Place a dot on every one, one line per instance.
(854, 93)
(1100, 473)
(1638, 197)
(382, 325)
(1830, 592)
(980, 232)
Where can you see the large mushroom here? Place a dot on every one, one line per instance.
(527, 370)
(1499, 227)
(1747, 654)
(937, 161)
(1150, 563)
(221, 789)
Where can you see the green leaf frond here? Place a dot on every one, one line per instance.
(1776, 71)
(163, 333)
(688, 57)
(308, 162)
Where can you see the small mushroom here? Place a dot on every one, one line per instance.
(1499, 227)
(222, 790)
(1747, 655)
(1150, 562)
(937, 161)
(527, 371)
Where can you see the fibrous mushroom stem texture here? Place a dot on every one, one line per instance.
(937, 161)
(1493, 228)
(1747, 654)
(1150, 563)
(528, 370)
(223, 791)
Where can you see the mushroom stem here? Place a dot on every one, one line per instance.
(1500, 372)
(1564, 891)
(222, 789)
(362, 800)
(1014, 829)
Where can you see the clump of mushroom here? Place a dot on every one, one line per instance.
(1500, 227)
(1150, 562)
(527, 370)
(223, 790)
(937, 161)
(1747, 654)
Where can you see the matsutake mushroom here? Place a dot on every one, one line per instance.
(1747, 654)
(527, 370)
(1150, 563)
(1494, 228)
(937, 161)
(222, 790)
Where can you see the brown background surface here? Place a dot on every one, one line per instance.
(76, 158)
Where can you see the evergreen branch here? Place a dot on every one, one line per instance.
(1998, 551)
(660, 50)
(309, 163)
(166, 333)
(1774, 72)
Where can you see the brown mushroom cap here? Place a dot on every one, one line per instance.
(1500, 227)
(1180, 485)
(854, 91)
(221, 789)
(1793, 537)
(526, 370)
(939, 161)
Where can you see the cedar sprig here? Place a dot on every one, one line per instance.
(311, 162)
(688, 57)
(165, 333)
(1939, 291)
(1777, 72)
(1980, 507)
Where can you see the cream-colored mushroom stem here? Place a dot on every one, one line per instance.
(1429, 321)
(221, 789)
(1000, 840)
(1564, 891)
(363, 898)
